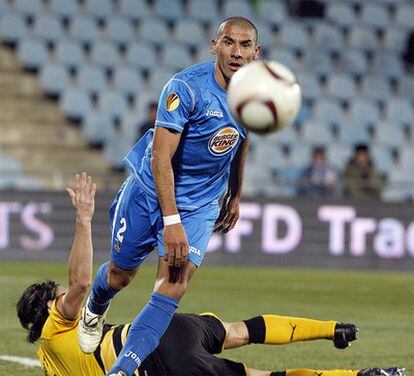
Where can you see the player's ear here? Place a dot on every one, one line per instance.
(257, 52)
(213, 46)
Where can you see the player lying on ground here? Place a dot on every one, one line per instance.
(51, 312)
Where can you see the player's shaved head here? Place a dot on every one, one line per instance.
(240, 22)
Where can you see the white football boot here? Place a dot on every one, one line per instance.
(90, 330)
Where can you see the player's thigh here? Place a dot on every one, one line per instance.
(198, 225)
(132, 235)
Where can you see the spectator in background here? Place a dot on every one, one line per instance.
(318, 179)
(361, 179)
(149, 123)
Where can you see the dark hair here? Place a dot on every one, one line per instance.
(32, 308)
(239, 19)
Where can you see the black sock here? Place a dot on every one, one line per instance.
(257, 329)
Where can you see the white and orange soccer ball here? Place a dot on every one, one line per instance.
(264, 96)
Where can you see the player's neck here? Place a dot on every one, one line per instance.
(220, 77)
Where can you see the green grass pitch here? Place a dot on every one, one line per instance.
(380, 303)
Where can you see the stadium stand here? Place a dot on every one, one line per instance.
(118, 54)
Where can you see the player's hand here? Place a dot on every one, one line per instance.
(83, 197)
(175, 245)
(229, 215)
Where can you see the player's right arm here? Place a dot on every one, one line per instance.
(80, 259)
(174, 108)
(163, 149)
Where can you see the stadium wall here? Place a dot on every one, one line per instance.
(273, 233)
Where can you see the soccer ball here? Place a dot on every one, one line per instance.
(264, 96)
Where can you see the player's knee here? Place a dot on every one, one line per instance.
(119, 278)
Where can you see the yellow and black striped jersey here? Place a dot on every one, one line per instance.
(186, 348)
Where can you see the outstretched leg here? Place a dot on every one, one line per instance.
(277, 330)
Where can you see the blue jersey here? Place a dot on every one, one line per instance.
(194, 104)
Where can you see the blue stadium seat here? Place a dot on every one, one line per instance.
(267, 37)
(127, 80)
(241, 8)
(204, 11)
(104, 54)
(387, 64)
(204, 54)
(91, 79)
(287, 137)
(120, 30)
(272, 11)
(101, 9)
(4, 7)
(353, 134)
(406, 159)
(399, 111)
(84, 29)
(75, 103)
(327, 37)
(354, 61)
(328, 110)
(154, 30)
(134, 9)
(405, 87)
(341, 13)
(316, 132)
(32, 53)
(30, 8)
(48, 27)
(382, 158)
(159, 77)
(309, 84)
(96, 127)
(176, 56)
(54, 78)
(294, 35)
(375, 87)
(64, 8)
(341, 86)
(70, 53)
(141, 55)
(338, 155)
(112, 103)
(117, 146)
(12, 28)
(395, 39)
(390, 135)
(190, 32)
(317, 62)
(364, 112)
(170, 10)
(405, 15)
(375, 15)
(363, 38)
(285, 56)
(299, 154)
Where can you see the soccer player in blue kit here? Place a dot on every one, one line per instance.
(180, 173)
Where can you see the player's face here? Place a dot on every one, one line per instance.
(234, 47)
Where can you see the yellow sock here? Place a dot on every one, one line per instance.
(284, 329)
(311, 372)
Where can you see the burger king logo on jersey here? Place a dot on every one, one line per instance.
(173, 101)
(223, 141)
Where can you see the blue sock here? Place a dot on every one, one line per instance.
(101, 293)
(145, 333)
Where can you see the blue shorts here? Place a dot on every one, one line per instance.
(136, 227)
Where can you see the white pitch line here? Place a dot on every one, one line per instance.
(23, 361)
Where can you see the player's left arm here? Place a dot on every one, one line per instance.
(229, 213)
(80, 259)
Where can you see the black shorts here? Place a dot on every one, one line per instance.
(187, 348)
